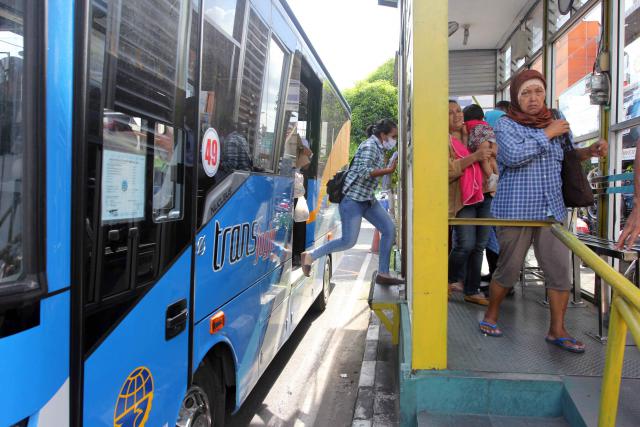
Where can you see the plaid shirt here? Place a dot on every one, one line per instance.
(359, 184)
(530, 186)
(236, 154)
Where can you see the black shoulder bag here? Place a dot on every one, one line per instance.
(335, 185)
(576, 190)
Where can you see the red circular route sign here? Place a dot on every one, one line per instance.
(210, 152)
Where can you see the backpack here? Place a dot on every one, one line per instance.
(335, 185)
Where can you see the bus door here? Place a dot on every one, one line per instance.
(138, 224)
(243, 207)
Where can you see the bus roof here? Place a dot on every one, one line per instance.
(295, 21)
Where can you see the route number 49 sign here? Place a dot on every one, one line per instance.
(210, 152)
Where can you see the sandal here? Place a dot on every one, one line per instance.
(491, 329)
(565, 344)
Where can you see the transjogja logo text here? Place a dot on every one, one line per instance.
(239, 241)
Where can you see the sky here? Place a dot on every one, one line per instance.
(352, 37)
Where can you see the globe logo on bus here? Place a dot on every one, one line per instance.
(134, 401)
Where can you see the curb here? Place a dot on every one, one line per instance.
(364, 407)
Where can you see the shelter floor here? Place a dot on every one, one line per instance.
(522, 348)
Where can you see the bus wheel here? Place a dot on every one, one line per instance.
(320, 304)
(204, 403)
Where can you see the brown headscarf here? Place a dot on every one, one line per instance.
(540, 120)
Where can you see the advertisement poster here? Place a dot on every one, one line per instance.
(122, 186)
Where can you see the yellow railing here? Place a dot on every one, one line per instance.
(625, 314)
(625, 309)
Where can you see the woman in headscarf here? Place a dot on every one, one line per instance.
(531, 145)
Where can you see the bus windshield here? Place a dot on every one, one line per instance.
(11, 139)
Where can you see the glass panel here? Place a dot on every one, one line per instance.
(167, 188)
(631, 66)
(536, 28)
(537, 65)
(227, 14)
(225, 147)
(574, 54)
(11, 138)
(556, 20)
(507, 64)
(506, 93)
(268, 112)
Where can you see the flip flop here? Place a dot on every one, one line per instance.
(562, 343)
(493, 330)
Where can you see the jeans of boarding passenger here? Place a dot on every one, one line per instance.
(469, 241)
(351, 214)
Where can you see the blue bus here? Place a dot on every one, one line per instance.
(149, 257)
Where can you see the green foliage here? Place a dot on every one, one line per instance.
(372, 99)
(370, 102)
(384, 72)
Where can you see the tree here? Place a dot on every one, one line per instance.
(384, 72)
(370, 102)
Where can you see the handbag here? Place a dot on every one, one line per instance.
(298, 185)
(576, 190)
(301, 212)
(335, 185)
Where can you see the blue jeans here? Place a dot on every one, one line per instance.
(469, 241)
(351, 213)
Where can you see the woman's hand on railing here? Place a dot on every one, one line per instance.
(631, 229)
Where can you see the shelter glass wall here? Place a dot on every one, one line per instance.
(573, 57)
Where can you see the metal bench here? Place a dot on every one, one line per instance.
(385, 301)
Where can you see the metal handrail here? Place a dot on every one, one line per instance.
(625, 309)
(625, 314)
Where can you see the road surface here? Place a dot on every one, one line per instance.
(313, 381)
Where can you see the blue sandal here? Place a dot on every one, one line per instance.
(562, 343)
(492, 330)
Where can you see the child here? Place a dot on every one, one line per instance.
(480, 134)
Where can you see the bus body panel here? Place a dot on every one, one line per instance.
(35, 362)
(58, 142)
(245, 241)
(243, 332)
(136, 350)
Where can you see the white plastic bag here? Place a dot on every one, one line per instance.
(298, 185)
(301, 213)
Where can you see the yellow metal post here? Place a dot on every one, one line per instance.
(612, 374)
(430, 186)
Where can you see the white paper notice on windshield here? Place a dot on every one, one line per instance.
(122, 186)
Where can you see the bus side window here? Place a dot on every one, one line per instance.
(271, 90)
(225, 147)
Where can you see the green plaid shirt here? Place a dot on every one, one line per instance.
(359, 185)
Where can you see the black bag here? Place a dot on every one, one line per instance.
(576, 190)
(335, 185)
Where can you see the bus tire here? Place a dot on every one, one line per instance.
(204, 403)
(320, 304)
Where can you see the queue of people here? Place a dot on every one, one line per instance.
(505, 164)
(528, 142)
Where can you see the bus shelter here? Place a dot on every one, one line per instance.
(470, 51)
